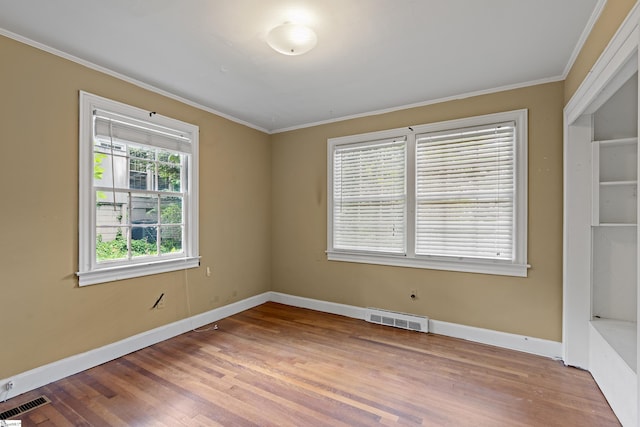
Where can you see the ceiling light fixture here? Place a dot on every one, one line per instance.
(292, 39)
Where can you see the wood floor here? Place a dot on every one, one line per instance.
(284, 366)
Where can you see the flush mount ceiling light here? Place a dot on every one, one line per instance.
(292, 39)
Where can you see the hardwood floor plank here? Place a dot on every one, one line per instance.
(181, 396)
(233, 383)
(276, 365)
(78, 387)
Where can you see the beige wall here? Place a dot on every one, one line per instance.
(529, 306)
(262, 216)
(612, 16)
(45, 315)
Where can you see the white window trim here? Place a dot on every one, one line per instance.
(518, 267)
(89, 272)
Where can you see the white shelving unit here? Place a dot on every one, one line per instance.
(614, 215)
(615, 182)
(600, 257)
(620, 337)
(614, 220)
(614, 244)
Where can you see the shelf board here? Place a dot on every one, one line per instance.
(619, 141)
(621, 336)
(618, 183)
(616, 224)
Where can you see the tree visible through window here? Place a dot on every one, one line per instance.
(138, 207)
(150, 219)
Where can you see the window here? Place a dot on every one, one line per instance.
(370, 196)
(447, 196)
(138, 192)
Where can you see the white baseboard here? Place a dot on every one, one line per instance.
(319, 305)
(537, 346)
(55, 371)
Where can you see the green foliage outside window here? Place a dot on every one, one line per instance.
(98, 171)
(169, 179)
(117, 248)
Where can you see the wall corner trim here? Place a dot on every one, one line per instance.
(55, 371)
(595, 15)
(620, 48)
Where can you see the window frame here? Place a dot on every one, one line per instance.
(517, 267)
(89, 270)
(371, 198)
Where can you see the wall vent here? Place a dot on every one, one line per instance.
(397, 320)
(26, 407)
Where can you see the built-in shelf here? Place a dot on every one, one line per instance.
(612, 364)
(613, 342)
(621, 336)
(619, 141)
(601, 275)
(615, 181)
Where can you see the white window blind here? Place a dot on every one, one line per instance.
(449, 195)
(125, 129)
(369, 196)
(465, 192)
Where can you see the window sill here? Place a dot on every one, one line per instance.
(466, 265)
(121, 272)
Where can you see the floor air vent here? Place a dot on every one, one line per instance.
(35, 403)
(398, 320)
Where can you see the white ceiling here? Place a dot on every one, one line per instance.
(372, 55)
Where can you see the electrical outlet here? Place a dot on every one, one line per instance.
(413, 294)
(9, 385)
